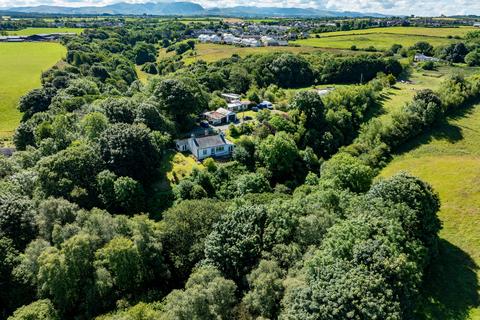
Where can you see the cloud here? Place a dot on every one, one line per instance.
(403, 7)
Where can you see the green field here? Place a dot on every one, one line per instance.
(30, 31)
(20, 67)
(381, 41)
(419, 31)
(211, 52)
(448, 158)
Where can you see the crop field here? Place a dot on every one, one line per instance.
(21, 65)
(30, 31)
(448, 157)
(211, 52)
(380, 41)
(417, 31)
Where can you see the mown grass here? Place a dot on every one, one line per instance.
(30, 31)
(448, 157)
(380, 41)
(419, 31)
(21, 65)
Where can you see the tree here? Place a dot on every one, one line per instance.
(473, 58)
(455, 52)
(182, 99)
(418, 195)
(71, 174)
(311, 105)
(93, 124)
(185, 228)
(207, 295)
(423, 47)
(346, 172)
(53, 213)
(9, 259)
(128, 150)
(38, 310)
(151, 116)
(279, 154)
(118, 266)
(17, 219)
(235, 244)
(144, 52)
(140, 311)
(266, 290)
(251, 183)
(119, 110)
(66, 275)
(37, 100)
(129, 195)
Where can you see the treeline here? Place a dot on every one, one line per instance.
(377, 139)
(285, 70)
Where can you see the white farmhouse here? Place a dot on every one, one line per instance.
(204, 147)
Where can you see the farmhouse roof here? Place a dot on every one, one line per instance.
(210, 141)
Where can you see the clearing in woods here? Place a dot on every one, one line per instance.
(21, 65)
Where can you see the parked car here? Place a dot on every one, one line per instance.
(265, 105)
(204, 124)
(255, 109)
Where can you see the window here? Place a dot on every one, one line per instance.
(220, 149)
(205, 151)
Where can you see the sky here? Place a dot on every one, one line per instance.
(403, 7)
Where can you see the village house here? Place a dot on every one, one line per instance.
(476, 24)
(237, 106)
(204, 147)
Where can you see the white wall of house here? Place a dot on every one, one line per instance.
(217, 151)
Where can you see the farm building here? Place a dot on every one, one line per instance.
(476, 24)
(220, 116)
(420, 57)
(208, 146)
(230, 97)
(35, 37)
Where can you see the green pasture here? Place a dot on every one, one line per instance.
(380, 41)
(30, 31)
(448, 157)
(418, 31)
(21, 65)
(211, 52)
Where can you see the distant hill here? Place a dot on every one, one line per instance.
(187, 9)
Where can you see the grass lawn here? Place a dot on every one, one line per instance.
(248, 113)
(448, 158)
(177, 166)
(381, 41)
(419, 31)
(21, 65)
(30, 31)
(142, 76)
